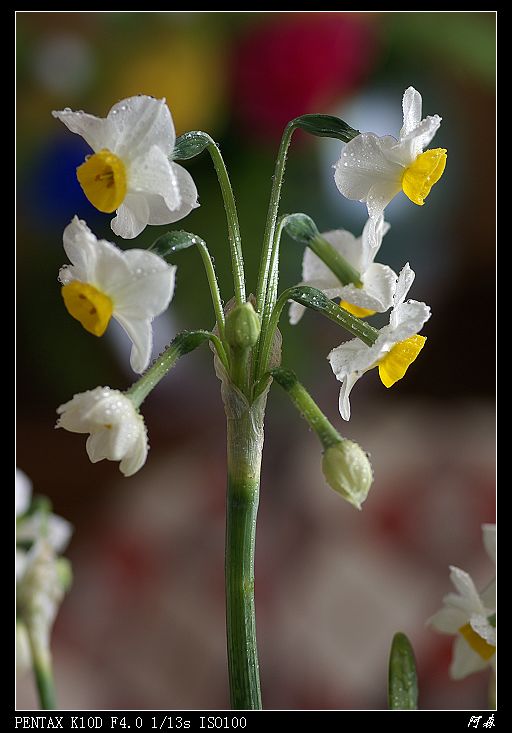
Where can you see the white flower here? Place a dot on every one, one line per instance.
(130, 170)
(103, 281)
(374, 169)
(468, 615)
(56, 530)
(41, 576)
(379, 281)
(117, 430)
(396, 347)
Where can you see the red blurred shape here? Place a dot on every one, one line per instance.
(294, 64)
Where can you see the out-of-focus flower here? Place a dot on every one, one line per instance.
(293, 64)
(396, 347)
(133, 286)
(131, 170)
(117, 429)
(471, 617)
(42, 577)
(374, 169)
(379, 281)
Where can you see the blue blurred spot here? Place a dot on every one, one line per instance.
(51, 192)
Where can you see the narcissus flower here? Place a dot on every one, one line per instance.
(379, 281)
(396, 347)
(131, 170)
(374, 169)
(133, 286)
(471, 616)
(117, 429)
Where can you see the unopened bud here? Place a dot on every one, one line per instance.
(301, 227)
(242, 326)
(348, 471)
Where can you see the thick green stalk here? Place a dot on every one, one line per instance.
(42, 666)
(244, 449)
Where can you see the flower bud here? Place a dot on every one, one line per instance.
(242, 326)
(301, 228)
(348, 471)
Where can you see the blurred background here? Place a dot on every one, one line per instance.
(143, 626)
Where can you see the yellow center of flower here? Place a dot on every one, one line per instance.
(103, 179)
(88, 305)
(395, 363)
(421, 175)
(356, 310)
(475, 641)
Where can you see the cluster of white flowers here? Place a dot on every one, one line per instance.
(374, 169)
(132, 172)
(42, 577)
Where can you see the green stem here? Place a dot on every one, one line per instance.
(42, 666)
(182, 344)
(235, 241)
(244, 449)
(273, 210)
(317, 301)
(306, 405)
(214, 286)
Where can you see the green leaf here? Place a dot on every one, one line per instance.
(326, 126)
(172, 242)
(402, 680)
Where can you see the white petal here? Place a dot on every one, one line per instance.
(138, 123)
(345, 390)
(404, 283)
(379, 283)
(346, 245)
(80, 245)
(407, 320)
(95, 131)
(136, 458)
(448, 620)
(488, 595)
(142, 288)
(371, 239)
(152, 173)
(417, 140)
(354, 356)
(131, 217)
(469, 597)
(363, 164)
(21, 562)
(411, 106)
(53, 528)
(483, 628)
(295, 312)
(379, 196)
(23, 492)
(465, 661)
(489, 537)
(141, 334)
(314, 270)
(188, 193)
